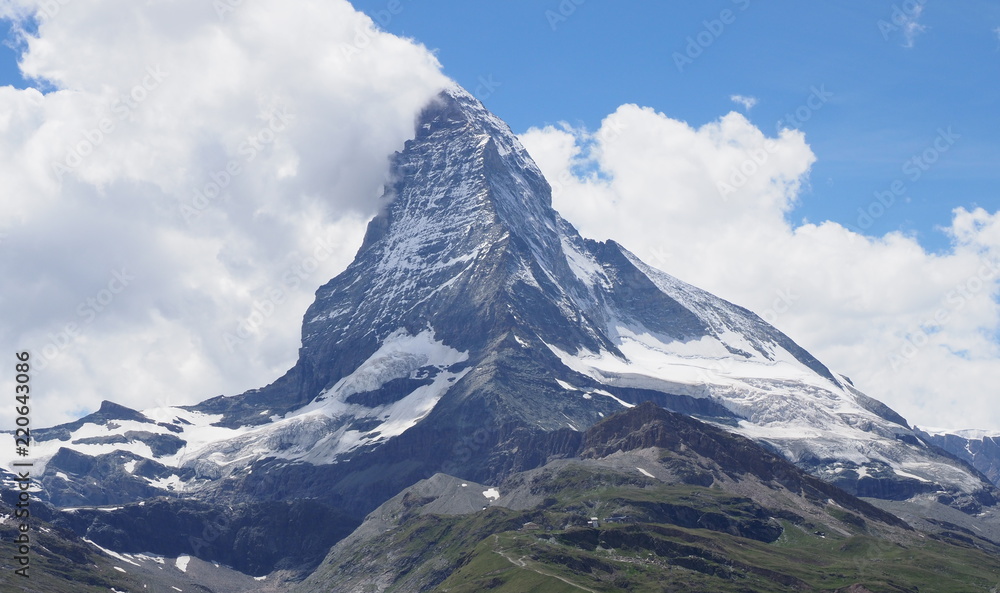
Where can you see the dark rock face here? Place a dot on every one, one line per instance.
(255, 539)
(108, 483)
(651, 426)
(160, 444)
(390, 392)
(880, 409)
(109, 412)
(981, 452)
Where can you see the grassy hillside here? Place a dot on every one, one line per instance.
(682, 507)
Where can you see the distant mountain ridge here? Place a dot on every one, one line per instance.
(979, 448)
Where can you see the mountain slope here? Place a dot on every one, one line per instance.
(979, 448)
(680, 506)
(476, 333)
(61, 561)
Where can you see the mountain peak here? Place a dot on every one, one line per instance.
(478, 334)
(467, 220)
(464, 168)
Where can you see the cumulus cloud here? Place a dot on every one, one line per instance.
(746, 102)
(183, 182)
(713, 206)
(186, 178)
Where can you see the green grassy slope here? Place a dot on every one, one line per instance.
(658, 557)
(683, 507)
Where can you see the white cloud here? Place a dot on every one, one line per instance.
(712, 205)
(125, 262)
(133, 272)
(746, 102)
(909, 22)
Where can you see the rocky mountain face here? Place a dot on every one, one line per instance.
(62, 561)
(978, 448)
(476, 334)
(649, 496)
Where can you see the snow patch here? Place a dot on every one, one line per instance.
(172, 482)
(645, 473)
(111, 553)
(904, 474)
(182, 563)
(327, 427)
(583, 266)
(398, 357)
(614, 397)
(492, 494)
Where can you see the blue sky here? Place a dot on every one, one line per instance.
(8, 60)
(891, 93)
(537, 63)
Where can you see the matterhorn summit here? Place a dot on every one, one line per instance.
(478, 334)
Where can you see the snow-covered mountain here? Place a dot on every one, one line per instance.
(980, 448)
(475, 332)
